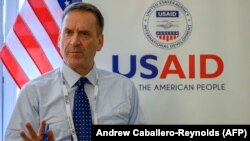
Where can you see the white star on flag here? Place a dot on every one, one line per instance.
(67, 3)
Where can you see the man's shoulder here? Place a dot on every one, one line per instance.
(109, 76)
(106, 73)
(45, 78)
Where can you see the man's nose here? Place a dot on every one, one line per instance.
(75, 39)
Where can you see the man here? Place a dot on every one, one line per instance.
(51, 98)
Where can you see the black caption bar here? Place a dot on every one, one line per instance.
(187, 132)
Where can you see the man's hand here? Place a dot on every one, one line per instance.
(33, 136)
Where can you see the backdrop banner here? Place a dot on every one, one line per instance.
(188, 59)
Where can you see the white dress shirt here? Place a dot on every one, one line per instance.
(117, 102)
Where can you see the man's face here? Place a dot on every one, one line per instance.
(79, 40)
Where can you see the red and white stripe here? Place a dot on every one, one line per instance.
(167, 37)
(40, 34)
(54, 6)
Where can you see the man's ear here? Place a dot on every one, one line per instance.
(59, 43)
(100, 42)
(59, 39)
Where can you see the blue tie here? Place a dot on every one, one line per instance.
(81, 112)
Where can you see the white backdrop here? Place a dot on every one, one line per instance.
(219, 28)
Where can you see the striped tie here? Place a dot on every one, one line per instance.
(81, 112)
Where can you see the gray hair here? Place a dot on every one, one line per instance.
(82, 6)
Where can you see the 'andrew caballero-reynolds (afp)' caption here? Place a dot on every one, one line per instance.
(224, 133)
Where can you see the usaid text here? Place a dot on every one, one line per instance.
(172, 66)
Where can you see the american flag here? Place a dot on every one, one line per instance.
(30, 48)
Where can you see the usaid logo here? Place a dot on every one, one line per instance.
(167, 13)
(167, 24)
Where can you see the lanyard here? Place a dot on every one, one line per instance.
(68, 109)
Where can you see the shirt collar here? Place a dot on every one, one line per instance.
(71, 77)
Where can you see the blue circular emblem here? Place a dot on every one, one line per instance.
(167, 24)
